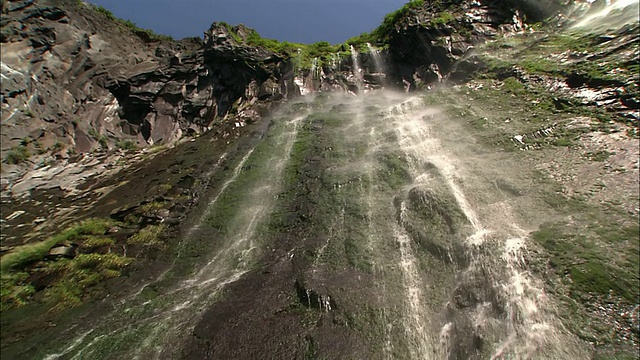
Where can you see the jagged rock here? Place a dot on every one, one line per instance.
(67, 71)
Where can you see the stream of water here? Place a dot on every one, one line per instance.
(425, 236)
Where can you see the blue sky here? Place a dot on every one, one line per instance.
(305, 21)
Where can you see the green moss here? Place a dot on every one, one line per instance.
(585, 258)
(152, 206)
(393, 170)
(15, 291)
(513, 85)
(442, 18)
(562, 142)
(94, 242)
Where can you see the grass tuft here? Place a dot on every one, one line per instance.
(149, 236)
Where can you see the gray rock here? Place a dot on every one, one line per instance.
(62, 251)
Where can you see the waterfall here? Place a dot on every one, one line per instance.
(357, 71)
(378, 64)
(377, 59)
(614, 13)
(406, 241)
(315, 69)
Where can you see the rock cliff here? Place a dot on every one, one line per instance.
(77, 80)
(117, 141)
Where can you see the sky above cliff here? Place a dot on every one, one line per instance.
(303, 21)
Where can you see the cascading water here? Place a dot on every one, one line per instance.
(153, 322)
(356, 69)
(392, 217)
(357, 227)
(612, 15)
(377, 59)
(315, 69)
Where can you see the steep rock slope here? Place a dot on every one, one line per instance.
(76, 80)
(219, 86)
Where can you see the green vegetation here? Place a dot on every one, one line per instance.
(577, 69)
(145, 34)
(69, 280)
(326, 54)
(95, 242)
(393, 169)
(390, 20)
(126, 145)
(513, 85)
(148, 236)
(80, 277)
(598, 156)
(94, 133)
(17, 155)
(15, 291)
(57, 146)
(580, 255)
(103, 140)
(393, 20)
(84, 269)
(302, 54)
(28, 112)
(442, 18)
(27, 254)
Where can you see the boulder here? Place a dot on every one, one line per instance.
(62, 251)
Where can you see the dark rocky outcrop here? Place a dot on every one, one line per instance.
(77, 80)
(436, 41)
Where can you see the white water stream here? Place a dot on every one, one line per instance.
(496, 246)
(531, 329)
(168, 318)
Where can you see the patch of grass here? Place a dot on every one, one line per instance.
(165, 187)
(103, 140)
(126, 145)
(441, 18)
(94, 133)
(15, 291)
(513, 85)
(27, 254)
(148, 236)
(57, 146)
(80, 277)
(17, 155)
(563, 142)
(105, 12)
(152, 206)
(94, 242)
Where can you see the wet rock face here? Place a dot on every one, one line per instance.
(75, 78)
(312, 299)
(433, 44)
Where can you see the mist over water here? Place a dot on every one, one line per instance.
(427, 241)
